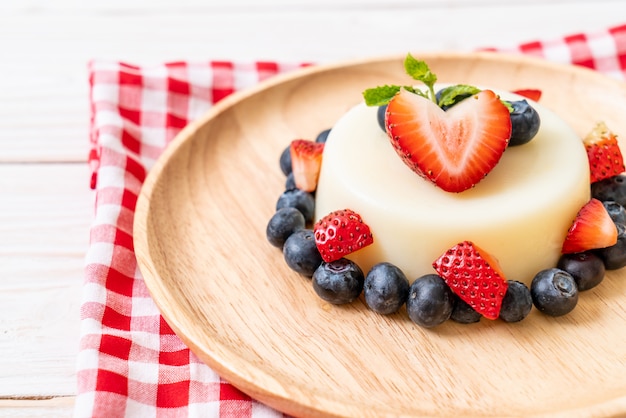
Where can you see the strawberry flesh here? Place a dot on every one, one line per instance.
(455, 149)
(475, 276)
(340, 233)
(603, 152)
(306, 163)
(592, 228)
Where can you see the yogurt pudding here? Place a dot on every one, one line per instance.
(520, 213)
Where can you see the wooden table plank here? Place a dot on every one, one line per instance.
(45, 214)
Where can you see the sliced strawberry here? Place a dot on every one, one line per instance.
(454, 149)
(475, 276)
(306, 162)
(532, 94)
(592, 228)
(603, 152)
(340, 233)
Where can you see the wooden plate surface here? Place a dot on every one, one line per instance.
(200, 242)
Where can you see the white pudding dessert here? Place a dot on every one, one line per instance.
(520, 212)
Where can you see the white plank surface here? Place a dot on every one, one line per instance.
(45, 203)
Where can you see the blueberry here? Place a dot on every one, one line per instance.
(614, 257)
(290, 182)
(285, 161)
(322, 136)
(380, 116)
(517, 302)
(386, 288)
(525, 123)
(554, 292)
(282, 224)
(463, 313)
(613, 188)
(301, 200)
(616, 211)
(338, 282)
(586, 268)
(430, 301)
(300, 252)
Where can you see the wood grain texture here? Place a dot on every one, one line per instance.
(45, 213)
(199, 237)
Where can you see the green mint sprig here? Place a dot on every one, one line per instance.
(419, 71)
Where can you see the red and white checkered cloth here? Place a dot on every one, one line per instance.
(130, 362)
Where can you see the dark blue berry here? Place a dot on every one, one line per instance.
(380, 116)
(301, 254)
(586, 268)
(554, 292)
(517, 302)
(282, 224)
(525, 122)
(614, 257)
(386, 288)
(290, 182)
(430, 301)
(323, 136)
(285, 161)
(463, 313)
(613, 188)
(338, 282)
(301, 200)
(616, 211)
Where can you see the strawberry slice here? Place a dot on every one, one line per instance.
(340, 233)
(475, 276)
(532, 94)
(454, 149)
(603, 152)
(306, 163)
(592, 228)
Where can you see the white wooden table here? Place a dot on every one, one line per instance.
(46, 205)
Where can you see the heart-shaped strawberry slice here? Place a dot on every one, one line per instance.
(454, 149)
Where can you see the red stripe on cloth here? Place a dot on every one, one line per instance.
(223, 80)
(619, 37)
(119, 283)
(113, 319)
(266, 69)
(115, 346)
(130, 141)
(230, 393)
(532, 48)
(108, 381)
(579, 50)
(165, 328)
(174, 358)
(173, 395)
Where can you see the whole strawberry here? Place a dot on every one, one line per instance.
(475, 276)
(340, 233)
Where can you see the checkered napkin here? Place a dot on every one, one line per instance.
(130, 362)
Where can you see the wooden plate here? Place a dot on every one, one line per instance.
(200, 242)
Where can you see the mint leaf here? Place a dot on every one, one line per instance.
(379, 96)
(419, 70)
(454, 94)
